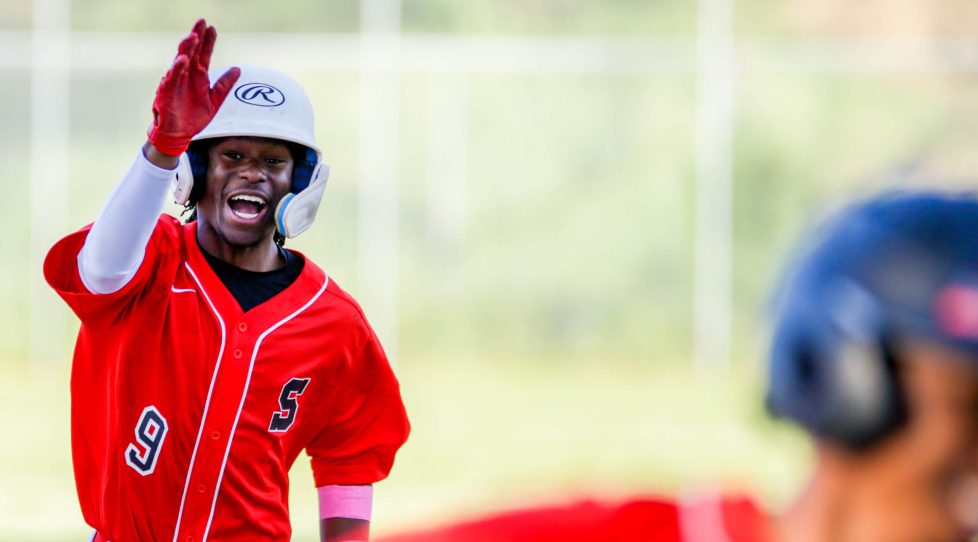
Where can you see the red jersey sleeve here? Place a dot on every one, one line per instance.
(100, 310)
(369, 424)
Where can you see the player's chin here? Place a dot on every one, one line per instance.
(246, 233)
(260, 225)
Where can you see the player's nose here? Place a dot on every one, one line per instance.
(252, 171)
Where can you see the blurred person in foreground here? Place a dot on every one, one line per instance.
(875, 356)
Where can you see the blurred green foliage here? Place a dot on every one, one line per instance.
(578, 227)
(806, 143)
(574, 245)
(667, 17)
(227, 15)
(15, 243)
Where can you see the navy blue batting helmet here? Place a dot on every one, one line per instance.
(902, 264)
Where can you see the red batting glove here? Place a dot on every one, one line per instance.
(185, 102)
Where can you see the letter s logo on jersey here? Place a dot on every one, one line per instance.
(260, 94)
(288, 401)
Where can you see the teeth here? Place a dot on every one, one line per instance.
(257, 200)
(253, 199)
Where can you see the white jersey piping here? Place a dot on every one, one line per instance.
(207, 403)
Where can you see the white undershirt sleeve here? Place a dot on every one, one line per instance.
(116, 244)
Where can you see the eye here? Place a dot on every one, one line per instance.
(275, 161)
(233, 155)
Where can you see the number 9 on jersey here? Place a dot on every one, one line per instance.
(143, 454)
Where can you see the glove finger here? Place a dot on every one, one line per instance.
(189, 42)
(199, 27)
(175, 73)
(187, 45)
(200, 30)
(207, 48)
(223, 86)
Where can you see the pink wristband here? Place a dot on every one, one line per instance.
(352, 502)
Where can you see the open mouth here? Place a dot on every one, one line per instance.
(247, 206)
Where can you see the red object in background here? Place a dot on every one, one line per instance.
(706, 519)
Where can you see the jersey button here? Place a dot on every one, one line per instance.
(215, 435)
(242, 327)
(201, 488)
(237, 353)
(189, 538)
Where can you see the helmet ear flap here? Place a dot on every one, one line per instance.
(835, 372)
(296, 211)
(191, 175)
(183, 183)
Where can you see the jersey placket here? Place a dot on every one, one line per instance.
(243, 334)
(231, 380)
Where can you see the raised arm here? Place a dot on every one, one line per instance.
(185, 102)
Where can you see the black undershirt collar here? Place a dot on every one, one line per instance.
(252, 288)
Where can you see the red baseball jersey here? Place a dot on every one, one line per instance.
(707, 519)
(187, 413)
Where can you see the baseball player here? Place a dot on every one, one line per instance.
(875, 355)
(209, 356)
